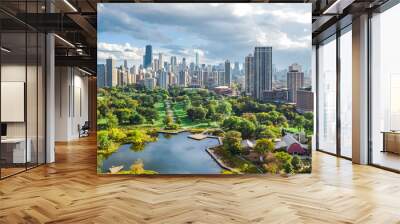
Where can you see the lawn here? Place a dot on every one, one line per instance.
(160, 107)
(180, 113)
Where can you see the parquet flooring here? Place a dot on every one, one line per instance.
(70, 191)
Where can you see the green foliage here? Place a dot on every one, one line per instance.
(297, 163)
(264, 145)
(224, 107)
(136, 118)
(232, 142)
(283, 157)
(196, 113)
(246, 127)
(288, 168)
(102, 139)
(116, 134)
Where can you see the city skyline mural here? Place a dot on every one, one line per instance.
(204, 88)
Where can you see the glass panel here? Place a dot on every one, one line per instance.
(327, 96)
(346, 94)
(13, 87)
(31, 98)
(385, 84)
(41, 99)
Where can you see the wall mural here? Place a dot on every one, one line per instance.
(204, 88)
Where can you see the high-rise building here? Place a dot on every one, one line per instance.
(183, 63)
(150, 83)
(227, 80)
(101, 75)
(173, 64)
(236, 69)
(305, 100)
(111, 73)
(164, 80)
(221, 78)
(263, 70)
(295, 81)
(183, 78)
(156, 65)
(126, 64)
(133, 70)
(249, 75)
(148, 57)
(160, 61)
(197, 59)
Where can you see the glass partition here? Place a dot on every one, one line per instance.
(385, 89)
(327, 96)
(346, 93)
(22, 92)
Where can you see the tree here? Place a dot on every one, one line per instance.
(116, 134)
(283, 159)
(247, 128)
(123, 115)
(250, 117)
(112, 120)
(263, 146)
(148, 113)
(102, 139)
(299, 122)
(232, 142)
(232, 123)
(224, 107)
(297, 163)
(136, 119)
(263, 118)
(288, 168)
(196, 113)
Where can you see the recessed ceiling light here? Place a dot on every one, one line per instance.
(70, 5)
(5, 50)
(64, 40)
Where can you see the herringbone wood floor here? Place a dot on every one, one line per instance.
(70, 191)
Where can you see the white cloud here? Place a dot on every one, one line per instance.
(118, 51)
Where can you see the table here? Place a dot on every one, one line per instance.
(19, 155)
(391, 141)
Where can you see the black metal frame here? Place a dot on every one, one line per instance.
(37, 164)
(339, 32)
(389, 4)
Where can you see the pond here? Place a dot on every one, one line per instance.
(170, 154)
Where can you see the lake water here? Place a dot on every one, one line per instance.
(170, 154)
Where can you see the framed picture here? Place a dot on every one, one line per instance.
(204, 88)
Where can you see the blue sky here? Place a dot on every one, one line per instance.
(217, 31)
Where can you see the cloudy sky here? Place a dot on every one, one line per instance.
(217, 31)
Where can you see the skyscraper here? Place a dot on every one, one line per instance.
(263, 70)
(160, 61)
(249, 75)
(148, 57)
(227, 81)
(197, 59)
(111, 73)
(101, 75)
(126, 64)
(236, 69)
(183, 78)
(295, 81)
(164, 80)
(173, 64)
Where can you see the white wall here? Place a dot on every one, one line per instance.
(71, 102)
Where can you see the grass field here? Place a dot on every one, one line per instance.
(160, 107)
(180, 113)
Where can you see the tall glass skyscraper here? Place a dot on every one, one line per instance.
(263, 70)
(148, 57)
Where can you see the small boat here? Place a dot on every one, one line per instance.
(115, 169)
